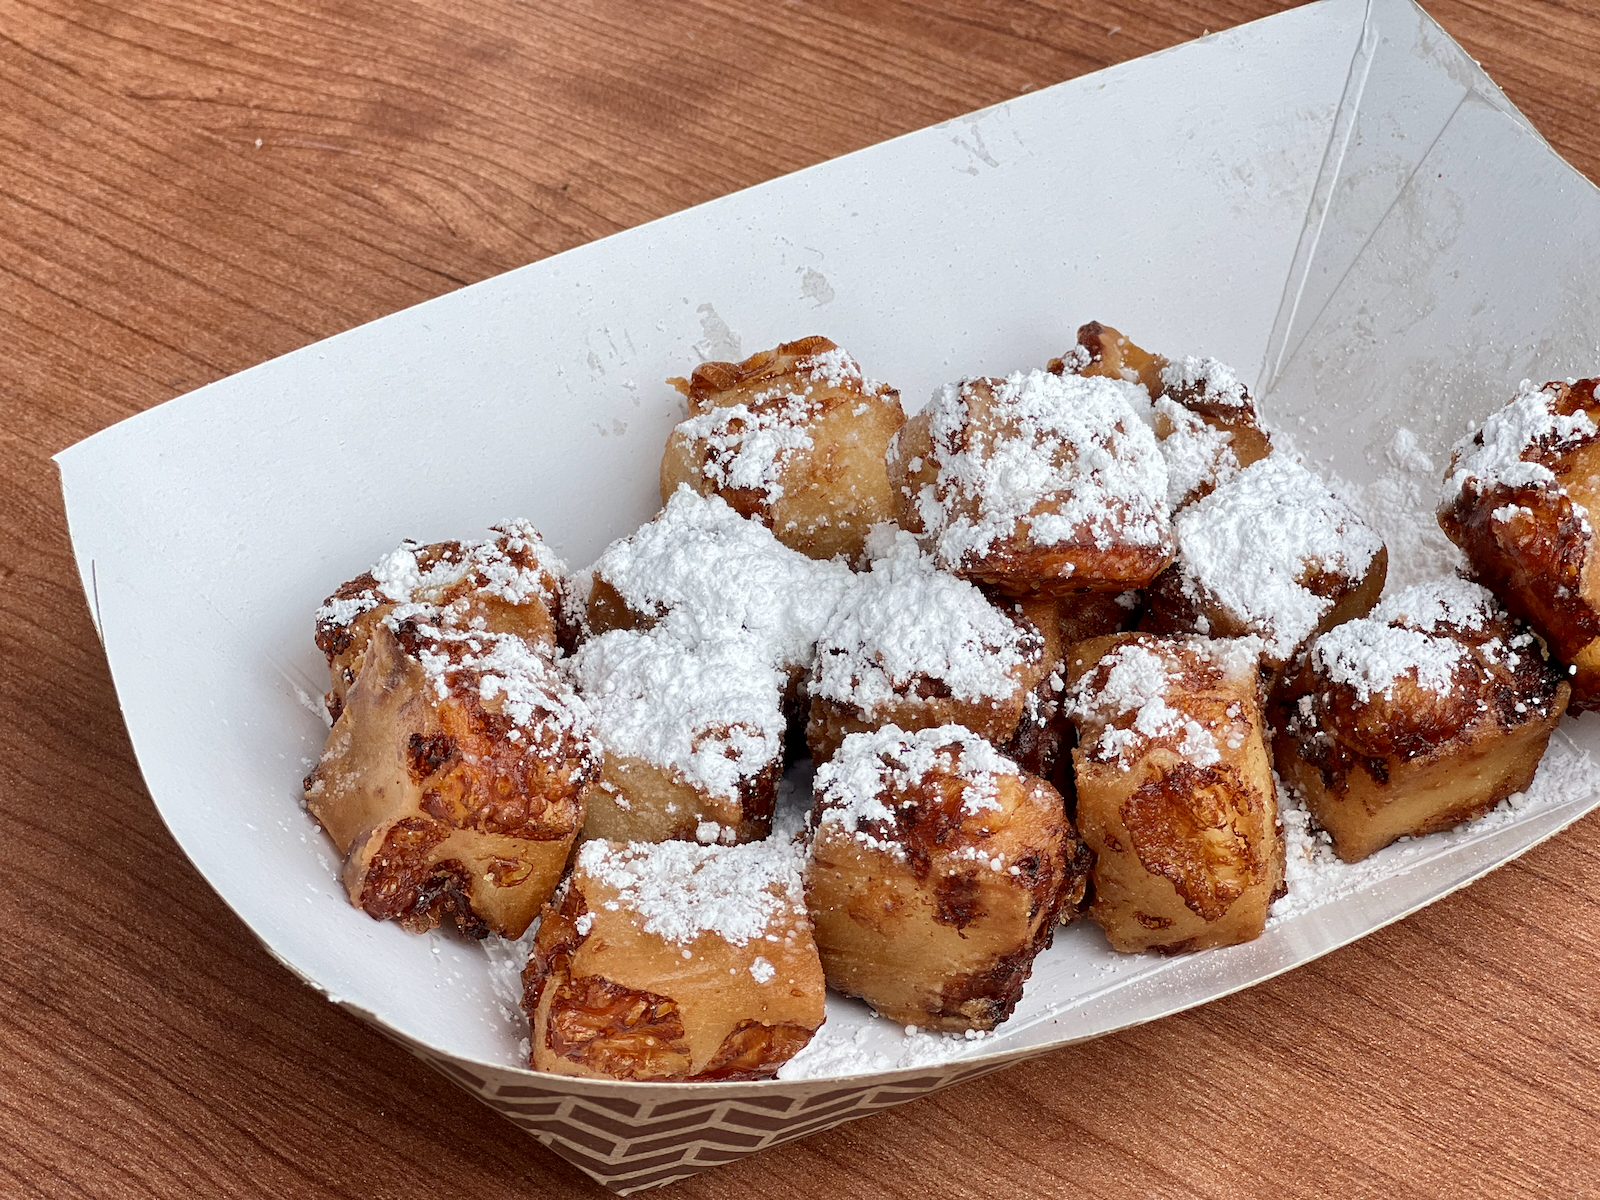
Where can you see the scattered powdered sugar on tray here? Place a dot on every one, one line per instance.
(1399, 506)
(1069, 455)
(681, 890)
(506, 958)
(715, 574)
(1246, 546)
(711, 713)
(1316, 875)
(906, 620)
(850, 1050)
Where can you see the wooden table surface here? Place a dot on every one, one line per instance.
(189, 187)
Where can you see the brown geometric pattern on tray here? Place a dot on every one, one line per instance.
(628, 1143)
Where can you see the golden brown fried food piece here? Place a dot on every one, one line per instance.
(1175, 790)
(511, 583)
(914, 646)
(1271, 552)
(1101, 350)
(794, 437)
(937, 874)
(1036, 483)
(1517, 500)
(1426, 714)
(693, 736)
(676, 963)
(453, 781)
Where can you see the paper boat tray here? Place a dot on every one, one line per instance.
(1336, 200)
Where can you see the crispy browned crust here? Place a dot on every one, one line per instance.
(440, 815)
(1541, 561)
(1250, 442)
(1174, 820)
(608, 610)
(1111, 354)
(710, 379)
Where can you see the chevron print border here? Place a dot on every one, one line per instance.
(626, 1140)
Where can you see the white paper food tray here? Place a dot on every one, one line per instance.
(1336, 197)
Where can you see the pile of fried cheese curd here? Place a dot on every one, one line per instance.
(1045, 643)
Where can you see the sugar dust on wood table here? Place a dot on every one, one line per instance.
(189, 187)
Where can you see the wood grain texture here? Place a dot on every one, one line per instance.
(189, 187)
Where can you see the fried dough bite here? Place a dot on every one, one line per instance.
(693, 737)
(794, 437)
(511, 583)
(913, 645)
(674, 962)
(937, 874)
(454, 780)
(1271, 552)
(1422, 716)
(712, 575)
(1036, 483)
(1175, 790)
(1517, 501)
(1101, 350)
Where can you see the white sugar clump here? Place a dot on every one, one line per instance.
(507, 674)
(1247, 546)
(1206, 379)
(681, 890)
(1126, 696)
(906, 620)
(870, 768)
(1197, 456)
(715, 574)
(1067, 454)
(1452, 602)
(517, 567)
(710, 713)
(1528, 425)
(1372, 656)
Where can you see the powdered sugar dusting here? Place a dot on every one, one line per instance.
(906, 620)
(716, 575)
(711, 712)
(1067, 454)
(1501, 451)
(1206, 379)
(1126, 697)
(504, 671)
(1248, 546)
(681, 890)
(749, 448)
(850, 788)
(1198, 457)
